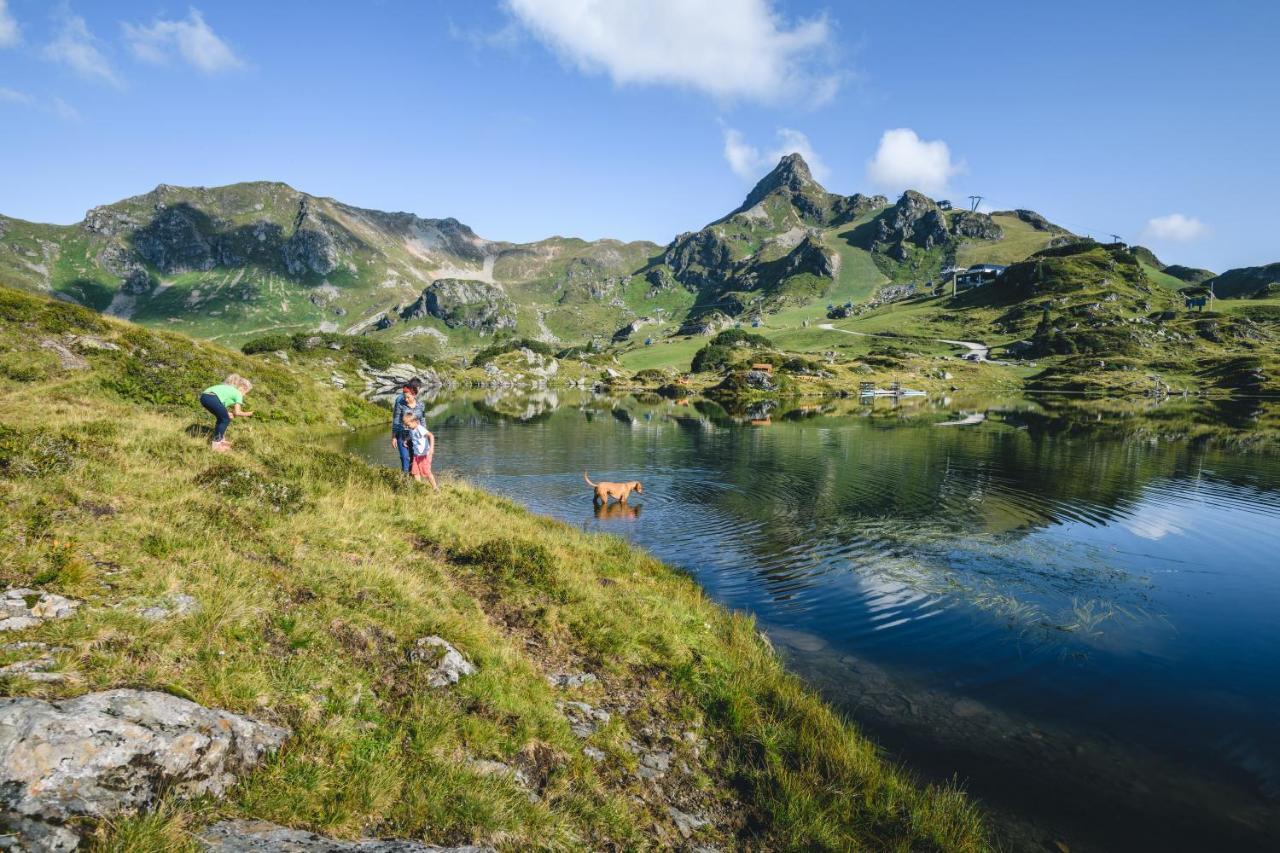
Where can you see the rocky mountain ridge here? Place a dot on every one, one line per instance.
(231, 262)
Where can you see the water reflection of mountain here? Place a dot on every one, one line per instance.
(883, 493)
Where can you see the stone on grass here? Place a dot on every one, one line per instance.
(36, 669)
(112, 753)
(22, 608)
(583, 719)
(66, 358)
(654, 765)
(447, 663)
(88, 342)
(570, 679)
(498, 770)
(175, 606)
(259, 836)
(685, 822)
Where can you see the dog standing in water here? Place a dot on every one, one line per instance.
(618, 491)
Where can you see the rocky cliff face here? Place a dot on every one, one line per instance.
(699, 259)
(915, 219)
(476, 305)
(976, 226)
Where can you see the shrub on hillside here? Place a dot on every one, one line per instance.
(50, 315)
(267, 343)
(492, 351)
(650, 376)
(378, 354)
(251, 488)
(801, 366)
(711, 357)
(741, 337)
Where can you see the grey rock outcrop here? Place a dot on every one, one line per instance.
(383, 384)
(976, 226)
(22, 608)
(570, 679)
(914, 219)
(584, 719)
(760, 381)
(1035, 220)
(706, 324)
(476, 305)
(112, 753)
(310, 250)
(700, 259)
(175, 240)
(686, 823)
(67, 360)
(631, 328)
(660, 279)
(447, 665)
(259, 836)
(173, 607)
(810, 256)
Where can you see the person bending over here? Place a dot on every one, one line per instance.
(224, 403)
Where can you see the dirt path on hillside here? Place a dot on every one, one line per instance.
(977, 352)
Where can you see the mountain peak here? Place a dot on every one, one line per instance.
(791, 176)
(793, 164)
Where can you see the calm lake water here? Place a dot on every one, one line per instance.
(1076, 619)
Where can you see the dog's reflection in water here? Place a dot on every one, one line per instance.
(618, 511)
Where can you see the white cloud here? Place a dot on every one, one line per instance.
(749, 162)
(55, 106)
(904, 161)
(77, 48)
(1175, 228)
(193, 40)
(63, 110)
(506, 37)
(731, 49)
(9, 32)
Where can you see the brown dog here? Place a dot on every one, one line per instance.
(618, 491)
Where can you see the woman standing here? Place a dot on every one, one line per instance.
(406, 401)
(223, 402)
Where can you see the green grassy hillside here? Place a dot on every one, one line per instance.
(314, 573)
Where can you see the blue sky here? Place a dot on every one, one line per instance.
(1158, 121)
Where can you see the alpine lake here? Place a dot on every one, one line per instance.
(1069, 607)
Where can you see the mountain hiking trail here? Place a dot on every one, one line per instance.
(977, 352)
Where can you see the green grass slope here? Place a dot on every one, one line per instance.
(315, 572)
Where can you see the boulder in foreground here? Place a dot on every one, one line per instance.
(113, 752)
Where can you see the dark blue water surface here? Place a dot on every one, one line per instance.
(1077, 616)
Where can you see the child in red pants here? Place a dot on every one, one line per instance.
(423, 443)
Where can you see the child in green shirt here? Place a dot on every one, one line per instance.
(223, 402)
